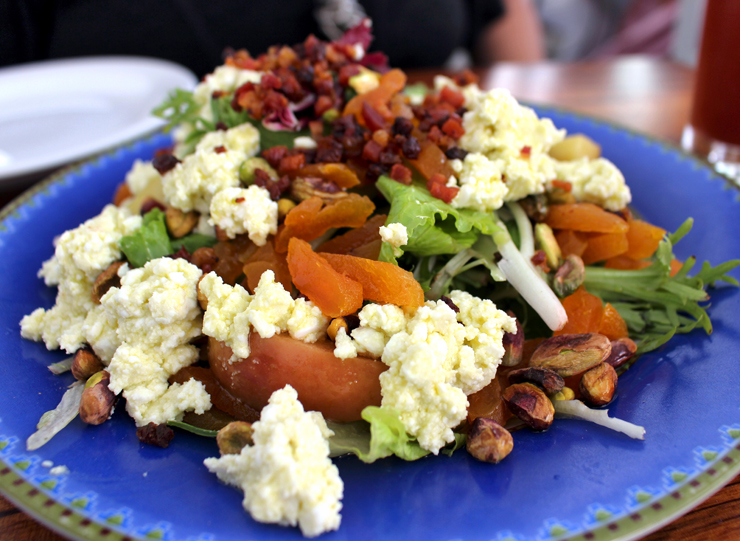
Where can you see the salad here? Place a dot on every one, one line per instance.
(332, 261)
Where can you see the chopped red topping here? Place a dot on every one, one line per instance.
(323, 104)
(219, 149)
(539, 259)
(373, 119)
(371, 151)
(401, 173)
(563, 185)
(526, 151)
(273, 155)
(453, 128)
(239, 200)
(151, 203)
(440, 191)
(453, 97)
(292, 163)
(345, 72)
(164, 162)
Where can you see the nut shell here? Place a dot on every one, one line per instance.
(488, 441)
(234, 437)
(85, 364)
(530, 404)
(623, 350)
(546, 379)
(97, 401)
(571, 354)
(598, 385)
(513, 345)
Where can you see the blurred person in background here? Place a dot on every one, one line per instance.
(413, 33)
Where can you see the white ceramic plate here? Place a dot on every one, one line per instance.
(59, 111)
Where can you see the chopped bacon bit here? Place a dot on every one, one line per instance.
(292, 163)
(453, 97)
(345, 72)
(273, 155)
(329, 150)
(539, 259)
(151, 203)
(465, 78)
(435, 134)
(453, 128)
(286, 57)
(373, 119)
(440, 191)
(164, 162)
(401, 173)
(437, 178)
(270, 81)
(275, 187)
(526, 151)
(274, 101)
(317, 129)
(322, 105)
(563, 185)
(219, 149)
(371, 151)
(239, 200)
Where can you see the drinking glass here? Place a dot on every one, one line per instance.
(713, 131)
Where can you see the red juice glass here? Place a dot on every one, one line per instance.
(714, 126)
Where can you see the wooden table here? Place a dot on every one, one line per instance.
(637, 92)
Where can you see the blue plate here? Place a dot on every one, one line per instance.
(576, 479)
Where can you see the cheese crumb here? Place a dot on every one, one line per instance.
(287, 476)
(595, 181)
(239, 210)
(396, 235)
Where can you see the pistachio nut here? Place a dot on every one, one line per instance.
(623, 350)
(180, 223)
(107, 279)
(571, 354)
(530, 404)
(85, 364)
(488, 441)
(545, 241)
(97, 400)
(234, 437)
(247, 168)
(513, 345)
(598, 385)
(569, 276)
(566, 393)
(544, 378)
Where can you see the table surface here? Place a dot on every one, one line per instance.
(641, 93)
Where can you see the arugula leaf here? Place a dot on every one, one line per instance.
(179, 107)
(433, 226)
(193, 242)
(384, 436)
(654, 304)
(148, 242)
(193, 429)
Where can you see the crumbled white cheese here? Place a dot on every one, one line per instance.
(251, 210)
(81, 254)
(141, 174)
(595, 181)
(511, 136)
(396, 235)
(192, 183)
(286, 476)
(436, 357)
(232, 311)
(157, 315)
(481, 185)
(304, 142)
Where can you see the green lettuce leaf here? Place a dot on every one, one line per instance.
(193, 242)
(433, 226)
(148, 242)
(382, 437)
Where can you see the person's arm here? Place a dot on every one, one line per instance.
(518, 36)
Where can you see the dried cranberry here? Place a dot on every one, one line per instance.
(388, 157)
(276, 188)
(402, 126)
(456, 153)
(305, 74)
(164, 162)
(411, 148)
(154, 434)
(219, 149)
(182, 253)
(448, 302)
(375, 170)
(352, 321)
(221, 126)
(151, 203)
(329, 151)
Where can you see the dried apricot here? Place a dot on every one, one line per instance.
(612, 325)
(334, 293)
(354, 238)
(602, 246)
(643, 239)
(584, 313)
(585, 217)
